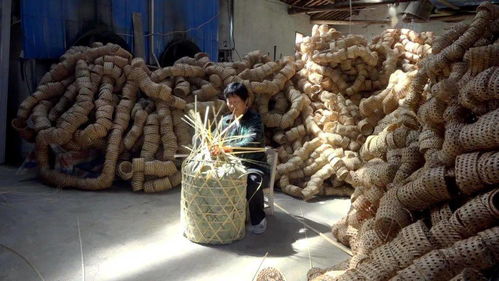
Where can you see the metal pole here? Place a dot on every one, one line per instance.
(4, 72)
(152, 56)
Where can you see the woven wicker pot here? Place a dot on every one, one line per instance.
(213, 201)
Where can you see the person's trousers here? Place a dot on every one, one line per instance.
(254, 195)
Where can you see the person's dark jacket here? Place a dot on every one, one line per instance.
(249, 124)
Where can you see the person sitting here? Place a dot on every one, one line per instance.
(245, 121)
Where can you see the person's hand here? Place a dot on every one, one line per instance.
(216, 150)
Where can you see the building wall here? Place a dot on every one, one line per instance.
(263, 24)
(381, 13)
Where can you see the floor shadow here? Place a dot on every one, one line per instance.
(282, 231)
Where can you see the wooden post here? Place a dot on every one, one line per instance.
(138, 36)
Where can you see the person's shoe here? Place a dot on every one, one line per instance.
(259, 228)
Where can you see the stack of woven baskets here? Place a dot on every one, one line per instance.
(99, 98)
(319, 153)
(426, 203)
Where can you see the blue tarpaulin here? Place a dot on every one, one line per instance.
(51, 26)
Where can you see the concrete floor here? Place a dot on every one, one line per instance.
(118, 235)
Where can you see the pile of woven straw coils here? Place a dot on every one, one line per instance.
(101, 99)
(318, 152)
(426, 202)
(313, 106)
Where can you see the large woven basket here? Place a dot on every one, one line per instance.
(213, 202)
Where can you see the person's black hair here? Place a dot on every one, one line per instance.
(236, 89)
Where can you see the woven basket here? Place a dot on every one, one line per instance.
(361, 203)
(481, 134)
(411, 155)
(490, 238)
(357, 259)
(451, 146)
(410, 273)
(475, 252)
(399, 250)
(491, 200)
(391, 215)
(124, 170)
(384, 255)
(476, 215)
(444, 234)
(467, 177)
(367, 225)
(373, 195)
(138, 174)
(213, 201)
(372, 271)
(488, 167)
(442, 212)
(368, 241)
(434, 266)
(413, 196)
(350, 275)
(469, 274)
(434, 184)
(415, 237)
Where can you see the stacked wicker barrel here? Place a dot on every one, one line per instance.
(426, 203)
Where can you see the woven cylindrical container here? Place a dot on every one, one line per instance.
(469, 274)
(442, 212)
(476, 215)
(490, 238)
(475, 252)
(372, 271)
(467, 177)
(391, 215)
(444, 234)
(434, 266)
(213, 201)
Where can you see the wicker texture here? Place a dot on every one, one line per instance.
(213, 202)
